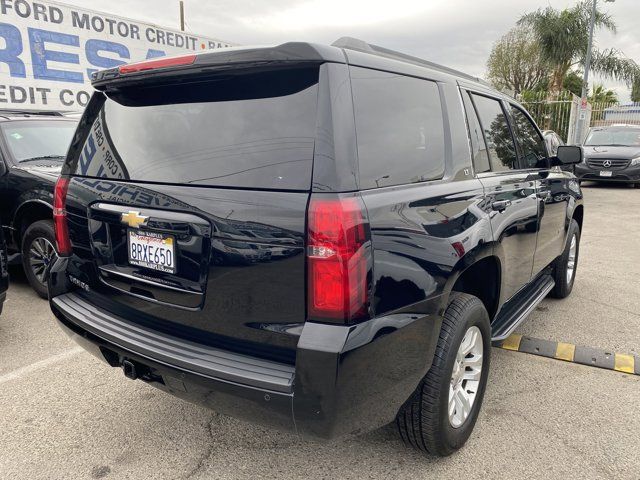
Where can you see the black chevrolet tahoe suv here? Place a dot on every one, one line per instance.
(4, 271)
(32, 148)
(326, 239)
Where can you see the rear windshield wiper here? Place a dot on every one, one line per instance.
(43, 157)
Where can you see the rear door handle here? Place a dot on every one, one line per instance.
(501, 205)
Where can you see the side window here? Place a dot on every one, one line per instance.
(502, 152)
(480, 156)
(530, 142)
(399, 126)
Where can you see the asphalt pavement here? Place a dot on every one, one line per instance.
(65, 415)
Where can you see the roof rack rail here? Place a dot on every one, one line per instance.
(358, 45)
(9, 111)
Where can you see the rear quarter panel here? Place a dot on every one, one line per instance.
(424, 236)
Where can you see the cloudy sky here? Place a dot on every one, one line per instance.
(457, 33)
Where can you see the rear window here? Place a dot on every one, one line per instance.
(36, 139)
(248, 131)
(399, 126)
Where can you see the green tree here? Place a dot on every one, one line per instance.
(635, 90)
(516, 63)
(572, 82)
(563, 36)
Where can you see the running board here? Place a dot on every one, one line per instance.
(519, 307)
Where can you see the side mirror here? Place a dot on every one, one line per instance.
(3, 167)
(567, 155)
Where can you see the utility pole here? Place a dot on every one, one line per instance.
(181, 15)
(582, 114)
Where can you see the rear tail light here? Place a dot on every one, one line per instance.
(459, 248)
(158, 63)
(60, 227)
(338, 259)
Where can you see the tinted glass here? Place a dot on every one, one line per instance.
(250, 131)
(626, 137)
(399, 128)
(478, 146)
(29, 139)
(531, 143)
(502, 152)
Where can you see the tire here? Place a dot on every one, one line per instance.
(38, 249)
(564, 280)
(423, 421)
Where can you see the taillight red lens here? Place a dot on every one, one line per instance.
(60, 227)
(158, 63)
(337, 259)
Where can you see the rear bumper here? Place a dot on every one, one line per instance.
(346, 380)
(626, 175)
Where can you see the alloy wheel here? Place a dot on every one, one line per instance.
(571, 260)
(465, 377)
(41, 254)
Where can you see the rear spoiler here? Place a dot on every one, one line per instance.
(164, 68)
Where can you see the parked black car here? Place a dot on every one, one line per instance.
(4, 272)
(32, 148)
(611, 154)
(320, 238)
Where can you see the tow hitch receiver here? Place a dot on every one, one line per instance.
(129, 370)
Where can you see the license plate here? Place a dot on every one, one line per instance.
(606, 173)
(152, 250)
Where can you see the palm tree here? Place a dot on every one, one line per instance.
(601, 99)
(564, 37)
(600, 95)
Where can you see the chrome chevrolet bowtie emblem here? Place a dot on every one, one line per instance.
(606, 163)
(134, 219)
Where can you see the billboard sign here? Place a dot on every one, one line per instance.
(49, 50)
